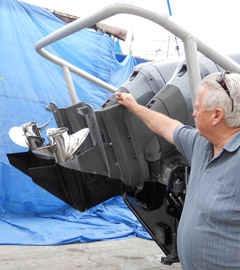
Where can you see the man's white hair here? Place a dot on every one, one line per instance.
(217, 97)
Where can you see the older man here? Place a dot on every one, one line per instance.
(209, 229)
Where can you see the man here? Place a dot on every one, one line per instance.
(209, 228)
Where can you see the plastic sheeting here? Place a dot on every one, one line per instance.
(30, 215)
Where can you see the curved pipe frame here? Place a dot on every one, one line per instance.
(191, 46)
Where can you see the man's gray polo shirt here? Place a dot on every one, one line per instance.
(209, 229)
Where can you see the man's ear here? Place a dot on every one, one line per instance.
(218, 116)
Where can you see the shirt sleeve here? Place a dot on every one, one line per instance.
(184, 139)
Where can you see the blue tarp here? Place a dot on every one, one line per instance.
(30, 215)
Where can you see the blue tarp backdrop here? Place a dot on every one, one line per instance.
(30, 215)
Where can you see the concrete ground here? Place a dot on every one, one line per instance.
(130, 254)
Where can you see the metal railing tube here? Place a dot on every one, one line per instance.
(163, 20)
(70, 85)
(194, 77)
(58, 61)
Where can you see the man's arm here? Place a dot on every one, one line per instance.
(157, 122)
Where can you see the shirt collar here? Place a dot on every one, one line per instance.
(234, 144)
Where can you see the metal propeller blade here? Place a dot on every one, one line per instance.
(18, 136)
(66, 145)
(76, 140)
(47, 150)
(28, 135)
(32, 129)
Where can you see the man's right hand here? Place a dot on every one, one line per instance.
(128, 101)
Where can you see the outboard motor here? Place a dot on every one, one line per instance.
(95, 155)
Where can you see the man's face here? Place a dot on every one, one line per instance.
(203, 117)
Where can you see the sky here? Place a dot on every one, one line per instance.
(214, 22)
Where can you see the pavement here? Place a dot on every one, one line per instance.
(128, 254)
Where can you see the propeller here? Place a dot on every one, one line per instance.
(28, 135)
(61, 145)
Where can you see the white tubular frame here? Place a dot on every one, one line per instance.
(190, 42)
